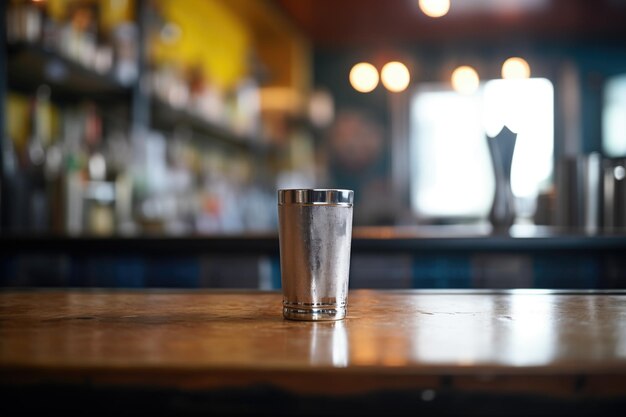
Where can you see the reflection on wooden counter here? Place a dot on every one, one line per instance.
(571, 346)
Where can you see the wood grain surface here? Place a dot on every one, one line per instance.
(478, 340)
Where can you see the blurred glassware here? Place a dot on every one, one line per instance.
(502, 214)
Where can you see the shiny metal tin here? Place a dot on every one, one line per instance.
(315, 196)
(315, 233)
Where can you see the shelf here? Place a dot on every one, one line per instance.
(30, 65)
(167, 117)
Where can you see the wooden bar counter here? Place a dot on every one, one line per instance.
(445, 352)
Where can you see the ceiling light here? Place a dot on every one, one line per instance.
(465, 80)
(434, 8)
(515, 69)
(364, 77)
(395, 76)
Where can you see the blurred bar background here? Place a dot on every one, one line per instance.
(143, 141)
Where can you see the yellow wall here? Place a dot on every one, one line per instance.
(219, 36)
(212, 36)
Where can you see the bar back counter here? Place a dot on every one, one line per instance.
(382, 257)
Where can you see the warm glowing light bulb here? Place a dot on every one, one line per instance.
(465, 80)
(434, 8)
(395, 76)
(515, 69)
(364, 77)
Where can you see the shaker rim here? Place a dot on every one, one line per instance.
(316, 196)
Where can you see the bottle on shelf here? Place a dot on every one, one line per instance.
(205, 98)
(34, 162)
(125, 46)
(77, 35)
(25, 21)
(90, 193)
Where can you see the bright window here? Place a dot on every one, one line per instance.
(614, 117)
(451, 169)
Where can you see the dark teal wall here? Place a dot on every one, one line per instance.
(595, 60)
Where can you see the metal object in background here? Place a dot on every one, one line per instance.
(315, 235)
(614, 204)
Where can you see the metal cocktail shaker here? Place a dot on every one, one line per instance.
(315, 234)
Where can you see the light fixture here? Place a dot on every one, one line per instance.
(515, 68)
(395, 76)
(434, 8)
(364, 77)
(465, 80)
